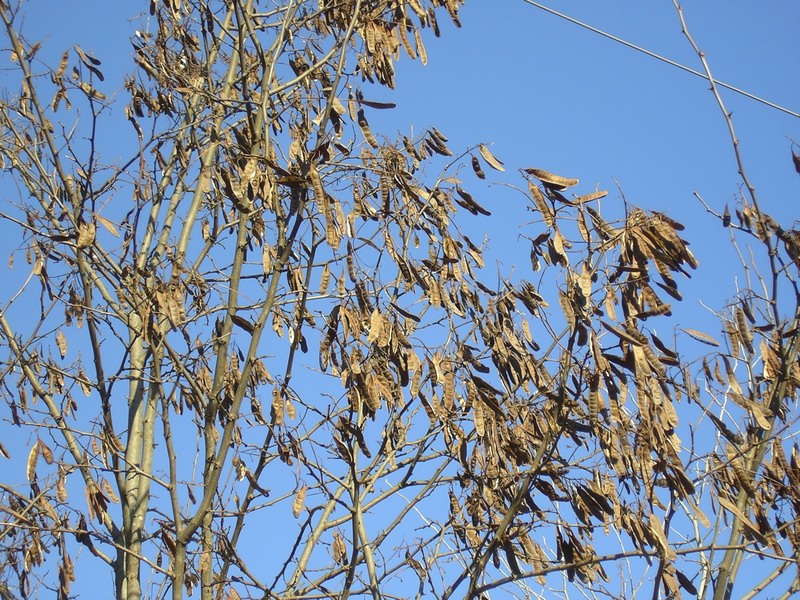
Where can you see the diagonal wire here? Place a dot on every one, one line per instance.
(662, 58)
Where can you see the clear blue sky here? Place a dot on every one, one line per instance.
(546, 93)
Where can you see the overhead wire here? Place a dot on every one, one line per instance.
(662, 58)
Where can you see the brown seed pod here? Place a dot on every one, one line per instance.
(552, 180)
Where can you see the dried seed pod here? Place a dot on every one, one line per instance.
(477, 416)
(566, 308)
(726, 217)
(299, 501)
(490, 158)
(375, 326)
(743, 328)
(339, 549)
(590, 197)
(476, 166)
(365, 130)
(325, 279)
(277, 406)
(423, 54)
(541, 204)
(702, 337)
(61, 343)
(552, 180)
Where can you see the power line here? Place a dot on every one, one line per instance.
(662, 58)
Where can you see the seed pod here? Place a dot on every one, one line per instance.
(325, 279)
(490, 158)
(744, 330)
(552, 180)
(277, 406)
(541, 204)
(476, 166)
(299, 501)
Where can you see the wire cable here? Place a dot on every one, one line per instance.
(662, 58)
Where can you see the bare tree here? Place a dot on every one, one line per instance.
(260, 358)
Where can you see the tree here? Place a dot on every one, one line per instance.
(266, 322)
